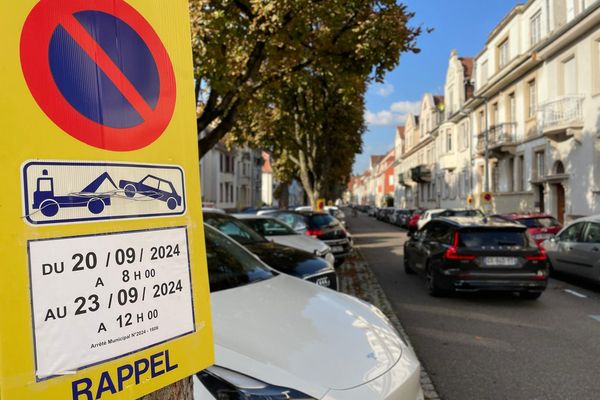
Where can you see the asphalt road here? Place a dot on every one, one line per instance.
(491, 346)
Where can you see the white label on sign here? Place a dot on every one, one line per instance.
(66, 191)
(96, 298)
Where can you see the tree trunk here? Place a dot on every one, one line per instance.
(182, 390)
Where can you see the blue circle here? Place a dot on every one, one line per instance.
(83, 83)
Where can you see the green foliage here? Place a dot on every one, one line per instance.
(290, 76)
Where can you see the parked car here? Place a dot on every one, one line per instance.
(279, 338)
(400, 217)
(384, 213)
(461, 212)
(413, 221)
(338, 214)
(372, 212)
(285, 259)
(279, 232)
(321, 226)
(428, 216)
(470, 254)
(539, 226)
(576, 248)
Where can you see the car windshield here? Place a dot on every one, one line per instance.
(543, 222)
(485, 238)
(270, 227)
(230, 265)
(317, 221)
(233, 228)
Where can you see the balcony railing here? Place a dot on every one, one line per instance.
(500, 136)
(560, 119)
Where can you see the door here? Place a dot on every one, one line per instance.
(563, 255)
(415, 251)
(585, 253)
(560, 203)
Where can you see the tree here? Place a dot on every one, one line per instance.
(242, 47)
(313, 126)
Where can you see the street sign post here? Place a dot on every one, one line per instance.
(104, 291)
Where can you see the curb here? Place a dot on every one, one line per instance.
(357, 279)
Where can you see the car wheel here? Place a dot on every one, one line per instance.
(95, 205)
(129, 190)
(171, 203)
(531, 295)
(49, 207)
(407, 269)
(432, 286)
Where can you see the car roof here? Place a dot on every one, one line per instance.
(251, 216)
(479, 222)
(522, 215)
(591, 218)
(213, 210)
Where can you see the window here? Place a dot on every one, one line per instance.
(592, 235)
(495, 115)
(484, 71)
(495, 178)
(511, 175)
(570, 10)
(572, 233)
(503, 54)
(535, 28)
(479, 238)
(512, 108)
(569, 78)
(521, 186)
(596, 65)
(449, 140)
(540, 163)
(532, 98)
(481, 121)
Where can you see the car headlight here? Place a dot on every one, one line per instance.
(322, 253)
(225, 384)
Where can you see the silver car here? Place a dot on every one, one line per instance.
(576, 248)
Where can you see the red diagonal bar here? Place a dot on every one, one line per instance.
(106, 64)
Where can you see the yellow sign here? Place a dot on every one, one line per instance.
(104, 290)
(320, 204)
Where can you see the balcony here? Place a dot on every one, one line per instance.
(501, 140)
(448, 161)
(405, 179)
(421, 174)
(562, 119)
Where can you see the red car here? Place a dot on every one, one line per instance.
(413, 220)
(540, 226)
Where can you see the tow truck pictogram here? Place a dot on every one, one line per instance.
(49, 204)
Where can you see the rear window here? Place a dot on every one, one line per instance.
(461, 213)
(545, 222)
(320, 220)
(484, 238)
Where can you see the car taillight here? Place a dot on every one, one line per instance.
(538, 257)
(451, 253)
(314, 232)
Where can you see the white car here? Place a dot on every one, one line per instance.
(428, 216)
(278, 337)
(278, 232)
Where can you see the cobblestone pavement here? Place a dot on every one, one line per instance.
(357, 279)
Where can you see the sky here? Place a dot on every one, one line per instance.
(463, 25)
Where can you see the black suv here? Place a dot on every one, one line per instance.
(471, 254)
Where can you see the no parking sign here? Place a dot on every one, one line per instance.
(104, 291)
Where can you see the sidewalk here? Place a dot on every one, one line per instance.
(356, 279)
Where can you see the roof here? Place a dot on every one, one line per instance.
(376, 159)
(266, 168)
(467, 63)
(400, 131)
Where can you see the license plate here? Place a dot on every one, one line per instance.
(500, 261)
(337, 249)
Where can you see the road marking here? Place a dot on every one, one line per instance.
(574, 293)
(595, 317)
